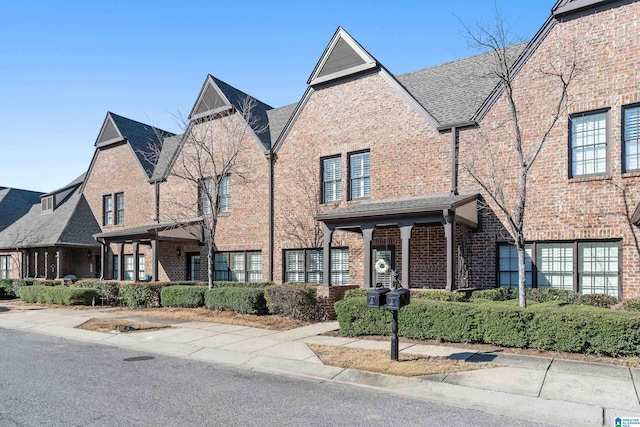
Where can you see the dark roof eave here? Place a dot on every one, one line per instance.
(458, 125)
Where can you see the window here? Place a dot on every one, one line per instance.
(204, 190)
(508, 266)
(359, 180)
(116, 267)
(128, 267)
(631, 138)
(589, 144)
(238, 266)
(119, 208)
(306, 265)
(5, 266)
(598, 268)
(331, 179)
(141, 275)
(107, 209)
(224, 195)
(555, 265)
(47, 203)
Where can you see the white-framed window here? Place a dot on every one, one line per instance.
(359, 176)
(5, 266)
(306, 265)
(224, 194)
(340, 266)
(331, 179)
(589, 143)
(555, 265)
(204, 196)
(47, 203)
(239, 266)
(599, 270)
(129, 268)
(119, 208)
(107, 209)
(508, 265)
(631, 137)
(141, 274)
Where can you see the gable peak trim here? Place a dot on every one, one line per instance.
(211, 100)
(342, 57)
(109, 133)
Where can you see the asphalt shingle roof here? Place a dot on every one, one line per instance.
(15, 203)
(170, 147)
(141, 137)
(278, 118)
(453, 92)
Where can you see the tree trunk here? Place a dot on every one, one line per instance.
(210, 265)
(522, 275)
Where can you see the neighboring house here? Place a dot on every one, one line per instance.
(370, 165)
(55, 238)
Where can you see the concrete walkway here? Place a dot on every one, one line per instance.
(548, 390)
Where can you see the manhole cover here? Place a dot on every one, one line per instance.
(138, 358)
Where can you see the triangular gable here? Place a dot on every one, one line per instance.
(211, 100)
(109, 133)
(343, 57)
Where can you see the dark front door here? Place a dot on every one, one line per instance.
(98, 261)
(387, 253)
(193, 266)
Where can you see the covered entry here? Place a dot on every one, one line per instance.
(447, 211)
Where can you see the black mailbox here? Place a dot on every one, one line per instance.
(376, 297)
(398, 299)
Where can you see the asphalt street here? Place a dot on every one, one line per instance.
(49, 381)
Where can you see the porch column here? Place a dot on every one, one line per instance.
(154, 260)
(450, 234)
(405, 233)
(326, 253)
(104, 251)
(25, 264)
(35, 264)
(120, 262)
(58, 263)
(46, 264)
(136, 262)
(367, 237)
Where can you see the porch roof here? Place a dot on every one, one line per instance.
(177, 231)
(393, 208)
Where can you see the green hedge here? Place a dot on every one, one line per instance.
(6, 290)
(143, 294)
(58, 295)
(292, 300)
(43, 282)
(547, 326)
(108, 290)
(632, 304)
(182, 296)
(17, 284)
(239, 299)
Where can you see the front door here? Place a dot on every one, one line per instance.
(193, 266)
(387, 253)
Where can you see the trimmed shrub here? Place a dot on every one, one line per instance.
(245, 300)
(182, 296)
(355, 293)
(548, 294)
(140, 295)
(6, 290)
(59, 295)
(43, 282)
(632, 304)
(256, 285)
(297, 301)
(497, 294)
(554, 325)
(17, 284)
(597, 300)
(108, 291)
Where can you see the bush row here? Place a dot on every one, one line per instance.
(58, 295)
(544, 326)
(6, 291)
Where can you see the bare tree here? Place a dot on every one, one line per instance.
(300, 223)
(501, 158)
(209, 158)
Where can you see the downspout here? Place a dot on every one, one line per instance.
(454, 161)
(157, 219)
(272, 161)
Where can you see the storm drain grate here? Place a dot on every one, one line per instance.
(138, 358)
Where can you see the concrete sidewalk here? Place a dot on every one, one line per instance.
(548, 390)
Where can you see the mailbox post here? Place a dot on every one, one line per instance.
(394, 299)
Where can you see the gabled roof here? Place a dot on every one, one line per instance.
(140, 137)
(278, 118)
(72, 223)
(217, 96)
(454, 91)
(565, 7)
(15, 203)
(170, 148)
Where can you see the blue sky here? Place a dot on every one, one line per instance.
(64, 64)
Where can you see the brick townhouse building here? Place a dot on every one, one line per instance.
(371, 165)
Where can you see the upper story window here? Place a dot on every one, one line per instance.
(631, 138)
(204, 196)
(119, 208)
(589, 149)
(359, 176)
(331, 179)
(107, 210)
(47, 203)
(224, 194)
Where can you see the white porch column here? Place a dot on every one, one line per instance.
(58, 263)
